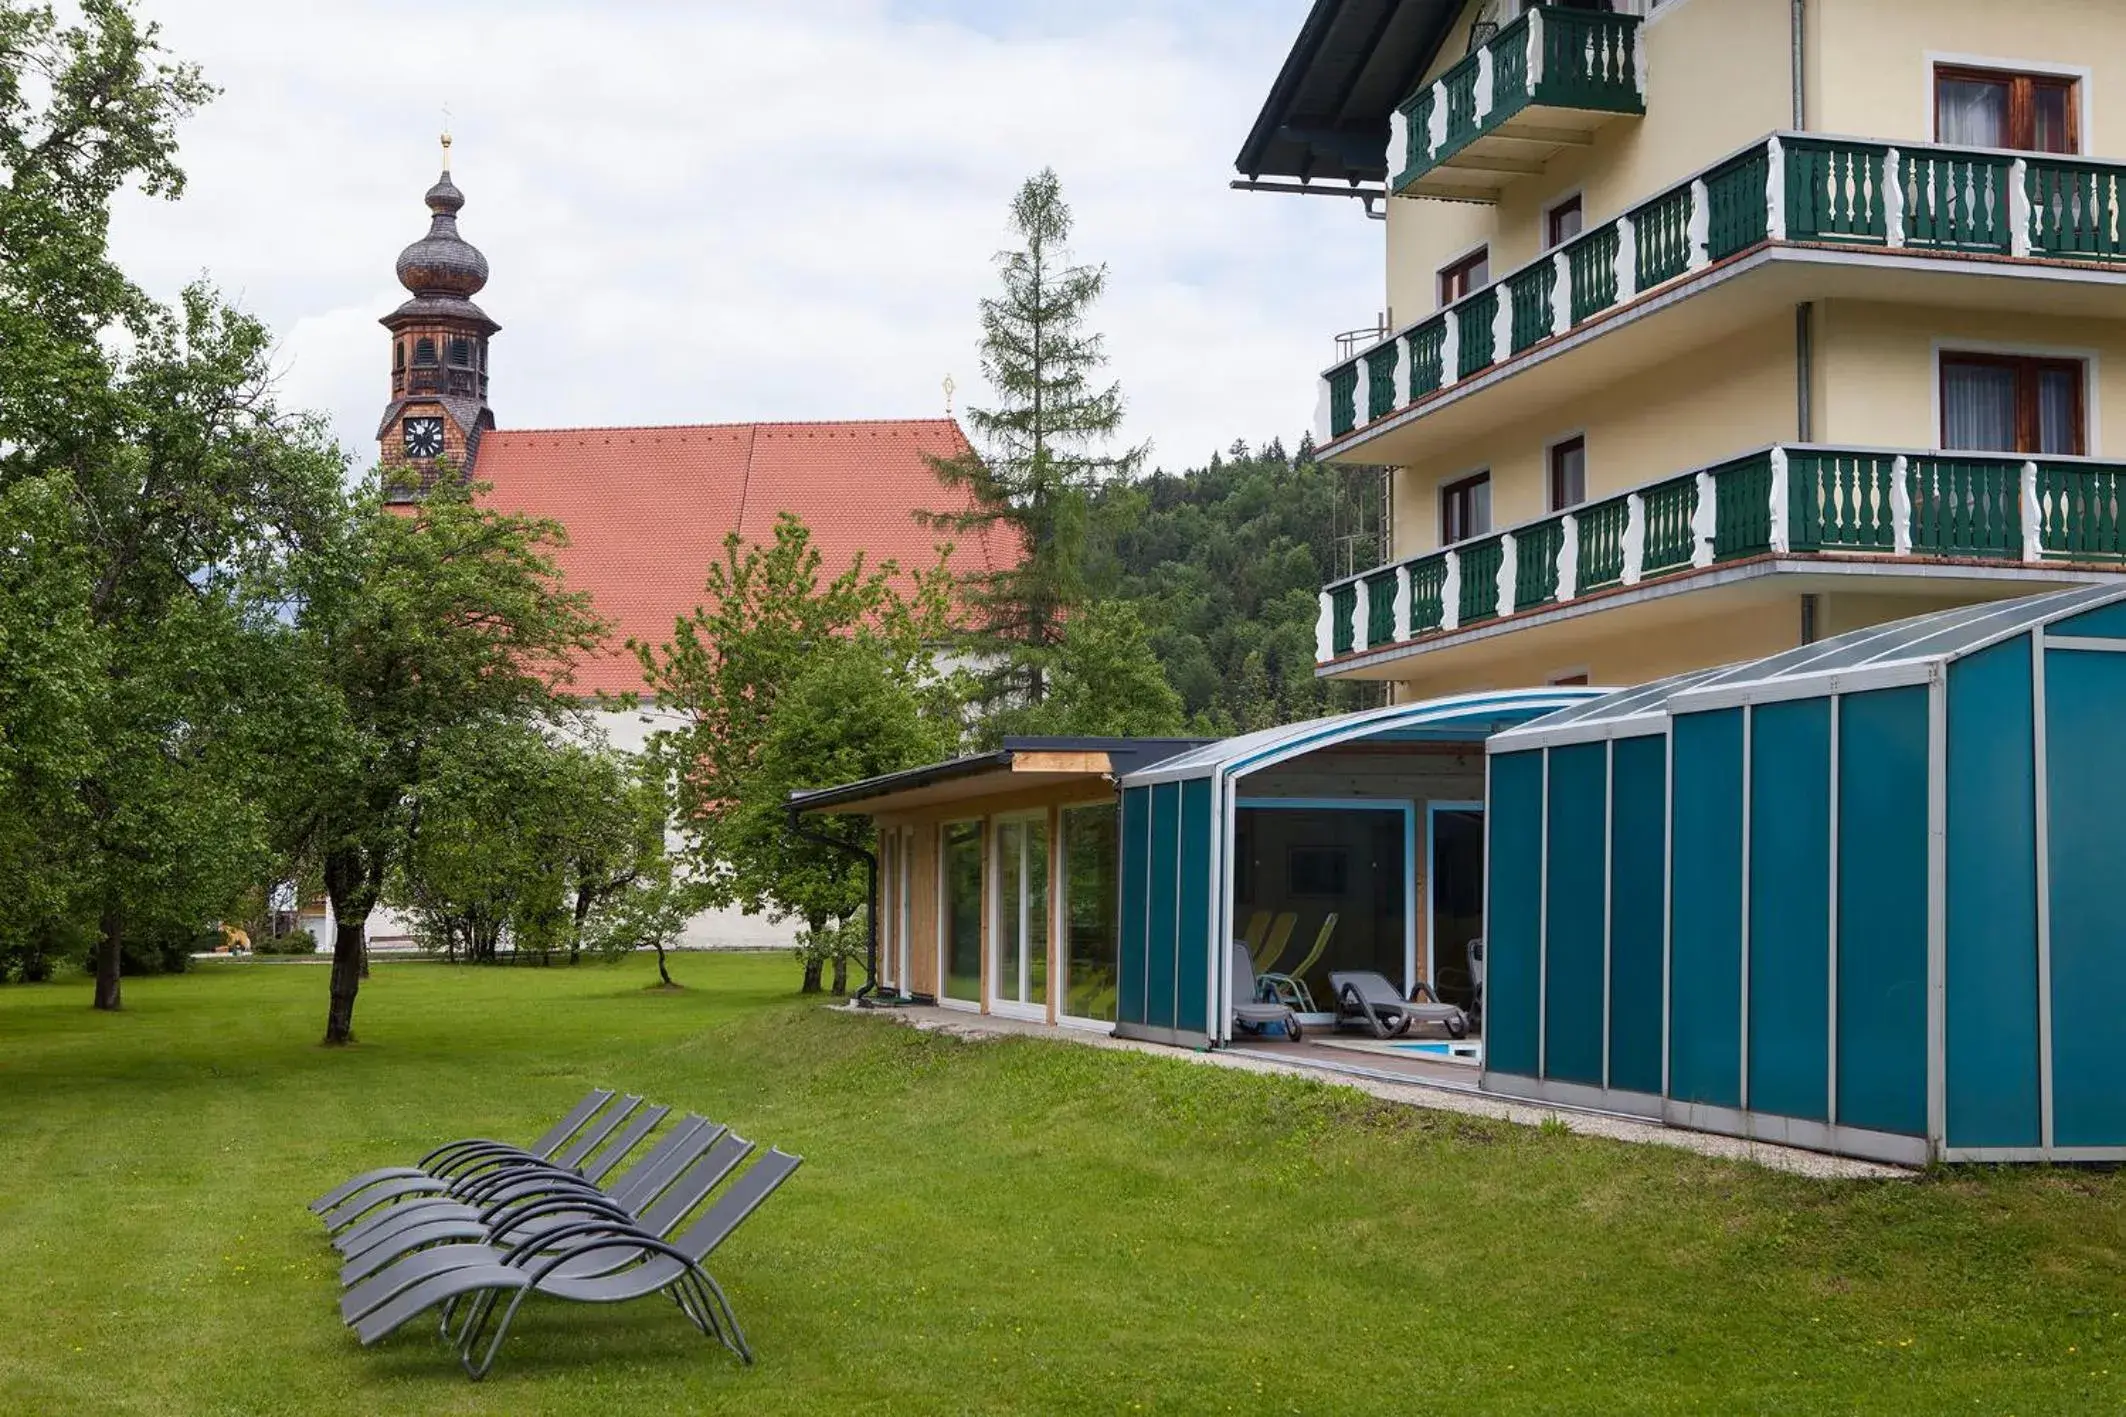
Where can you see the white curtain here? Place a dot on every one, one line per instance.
(2058, 430)
(1974, 114)
(1978, 408)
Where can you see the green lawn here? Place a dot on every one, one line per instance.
(990, 1227)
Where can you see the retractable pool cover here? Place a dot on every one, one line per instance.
(1861, 896)
(1177, 846)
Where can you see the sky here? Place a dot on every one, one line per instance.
(704, 211)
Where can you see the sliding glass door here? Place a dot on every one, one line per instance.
(1018, 966)
(1091, 911)
(960, 919)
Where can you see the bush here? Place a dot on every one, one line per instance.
(295, 942)
(160, 952)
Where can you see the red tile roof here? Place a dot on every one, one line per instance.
(647, 509)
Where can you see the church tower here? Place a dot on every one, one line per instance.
(438, 407)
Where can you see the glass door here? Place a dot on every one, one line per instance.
(1091, 885)
(1454, 891)
(960, 919)
(1018, 966)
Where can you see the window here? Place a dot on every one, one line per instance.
(1985, 108)
(1568, 474)
(1465, 509)
(398, 357)
(461, 353)
(1564, 221)
(960, 922)
(1997, 404)
(424, 354)
(1091, 906)
(1466, 276)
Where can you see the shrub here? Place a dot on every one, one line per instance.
(295, 942)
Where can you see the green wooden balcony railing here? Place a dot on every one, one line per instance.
(1550, 57)
(1799, 502)
(1795, 188)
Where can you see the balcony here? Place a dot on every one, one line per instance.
(1544, 83)
(1887, 512)
(1827, 198)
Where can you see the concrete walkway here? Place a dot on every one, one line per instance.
(1439, 1097)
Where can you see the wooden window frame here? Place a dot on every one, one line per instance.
(1454, 273)
(1550, 471)
(1571, 202)
(2027, 369)
(1449, 494)
(2022, 86)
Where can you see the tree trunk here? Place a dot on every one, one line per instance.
(109, 953)
(841, 975)
(813, 962)
(662, 972)
(575, 938)
(812, 972)
(353, 894)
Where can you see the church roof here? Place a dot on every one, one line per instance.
(647, 509)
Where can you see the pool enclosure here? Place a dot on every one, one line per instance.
(1863, 896)
(1352, 842)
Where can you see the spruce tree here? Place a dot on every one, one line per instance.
(1038, 454)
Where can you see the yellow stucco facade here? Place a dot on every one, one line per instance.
(1827, 346)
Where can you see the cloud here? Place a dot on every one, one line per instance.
(727, 211)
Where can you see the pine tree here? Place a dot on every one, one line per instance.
(1039, 453)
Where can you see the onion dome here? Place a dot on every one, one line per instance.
(443, 263)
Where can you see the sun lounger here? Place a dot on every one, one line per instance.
(375, 1206)
(651, 1266)
(536, 1206)
(441, 1160)
(1365, 999)
(1291, 986)
(1250, 1013)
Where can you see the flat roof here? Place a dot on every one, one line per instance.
(1021, 762)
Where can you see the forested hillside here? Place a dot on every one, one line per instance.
(1224, 564)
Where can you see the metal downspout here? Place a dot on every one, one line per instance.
(1801, 105)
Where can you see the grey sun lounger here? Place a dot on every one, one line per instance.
(1250, 1014)
(651, 1266)
(451, 1155)
(532, 1207)
(355, 1218)
(657, 1221)
(1365, 998)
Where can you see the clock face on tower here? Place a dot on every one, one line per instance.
(424, 437)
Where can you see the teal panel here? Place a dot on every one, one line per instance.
(2085, 777)
(1882, 911)
(1790, 909)
(1992, 901)
(1136, 903)
(1637, 894)
(2105, 623)
(1705, 964)
(1513, 890)
(1191, 1007)
(1164, 920)
(1572, 969)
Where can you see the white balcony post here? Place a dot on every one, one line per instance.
(1484, 95)
(1704, 521)
(1638, 67)
(1700, 233)
(2033, 516)
(1398, 145)
(1634, 539)
(1569, 559)
(1560, 290)
(1436, 129)
(1775, 191)
(1325, 630)
(1362, 616)
(1402, 603)
(1450, 594)
(1509, 575)
(1893, 198)
(2020, 212)
(1901, 505)
(1627, 261)
(1534, 67)
(1324, 404)
(1782, 535)
(1450, 351)
(1502, 325)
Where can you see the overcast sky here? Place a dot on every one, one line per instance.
(707, 211)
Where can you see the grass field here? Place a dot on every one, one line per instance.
(990, 1227)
